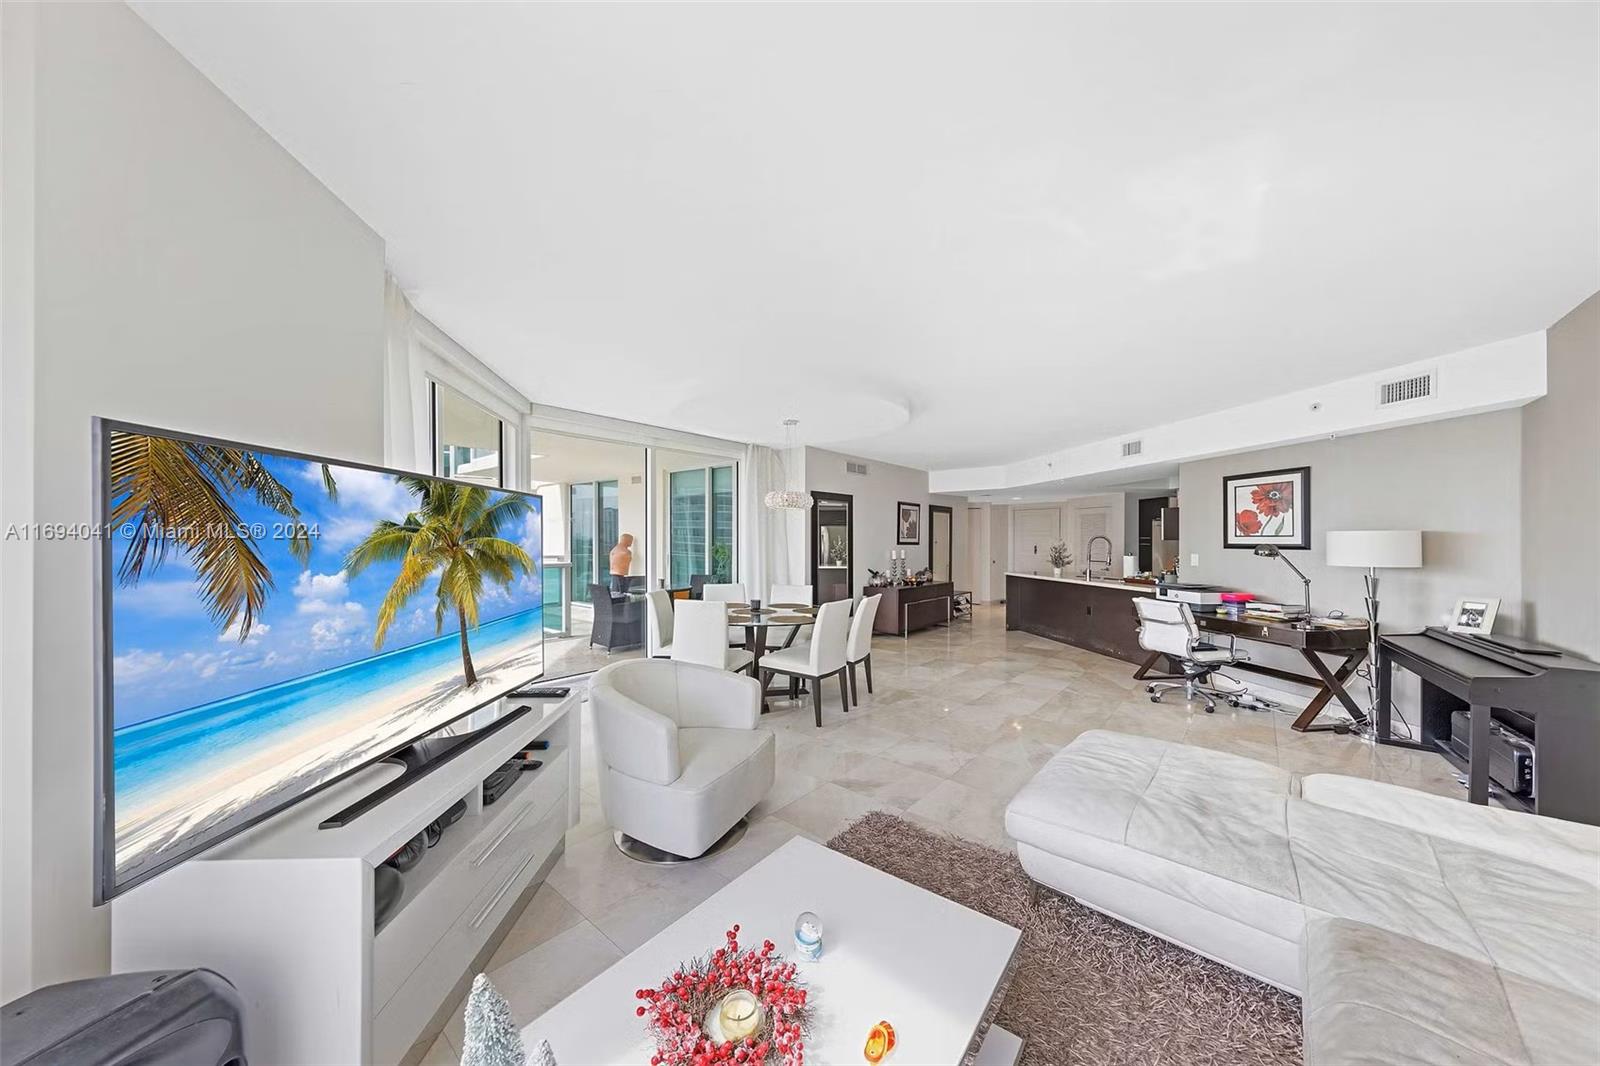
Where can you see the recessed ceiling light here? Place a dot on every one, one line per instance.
(1016, 497)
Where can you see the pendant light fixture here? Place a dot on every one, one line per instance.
(788, 499)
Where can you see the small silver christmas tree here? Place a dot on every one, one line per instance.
(492, 1038)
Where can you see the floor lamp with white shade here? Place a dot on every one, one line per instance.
(1374, 550)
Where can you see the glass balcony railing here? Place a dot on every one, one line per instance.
(558, 597)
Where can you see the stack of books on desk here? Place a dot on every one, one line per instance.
(1274, 612)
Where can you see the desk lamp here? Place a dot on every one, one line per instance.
(1374, 549)
(1271, 552)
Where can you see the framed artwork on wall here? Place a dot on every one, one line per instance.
(1272, 507)
(908, 524)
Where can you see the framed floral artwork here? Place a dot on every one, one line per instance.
(1269, 508)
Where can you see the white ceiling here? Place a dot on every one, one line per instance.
(1005, 229)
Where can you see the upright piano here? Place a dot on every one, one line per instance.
(1549, 703)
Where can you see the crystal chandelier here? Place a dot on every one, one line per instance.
(788, 499)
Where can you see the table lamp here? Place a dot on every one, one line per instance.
(1374, 549)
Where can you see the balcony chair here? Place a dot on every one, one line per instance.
(618, 622)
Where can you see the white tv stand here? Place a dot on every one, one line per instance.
(285, 910)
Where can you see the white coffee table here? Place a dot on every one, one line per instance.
(891, 951)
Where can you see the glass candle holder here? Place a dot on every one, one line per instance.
(739, 1014)
(808, 936)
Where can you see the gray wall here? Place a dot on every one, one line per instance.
(1459, 481)
(186, 272)
(1456, 480)
(876, 496)
(1561, 490)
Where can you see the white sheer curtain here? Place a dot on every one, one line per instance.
(774, 549)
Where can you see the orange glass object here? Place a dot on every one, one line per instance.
(879, 1042)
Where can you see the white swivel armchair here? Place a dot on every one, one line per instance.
(821, 657)
(681, 758)
(699, 635)
(1168, 626)
(858, 648)
(658, 624)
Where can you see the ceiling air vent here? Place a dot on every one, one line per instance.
(1132, 447)
(855, 468)
(1404, 390)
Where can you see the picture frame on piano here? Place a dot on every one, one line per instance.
(1474, 615)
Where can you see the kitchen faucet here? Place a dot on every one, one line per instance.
(1088, 570)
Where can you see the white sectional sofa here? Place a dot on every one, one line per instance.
(1416, 928)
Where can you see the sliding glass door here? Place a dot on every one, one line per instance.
(702, 508)
(686, 525)
(594, 493)
(581, 533)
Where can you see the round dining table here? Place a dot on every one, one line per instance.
(756, 625)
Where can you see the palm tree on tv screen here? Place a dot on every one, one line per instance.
(177, 494)
(454, 532)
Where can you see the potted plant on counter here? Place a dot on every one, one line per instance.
(1059, 557)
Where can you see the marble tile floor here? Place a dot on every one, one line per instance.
(960, 718)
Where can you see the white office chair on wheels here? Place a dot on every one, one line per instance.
(1168, 626)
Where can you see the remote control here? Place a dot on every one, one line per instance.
(539, 745)
(539, 693)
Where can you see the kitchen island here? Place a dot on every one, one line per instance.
(1095, 615)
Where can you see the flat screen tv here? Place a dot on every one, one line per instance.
(270, 622)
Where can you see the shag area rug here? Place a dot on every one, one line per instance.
(1086, 988)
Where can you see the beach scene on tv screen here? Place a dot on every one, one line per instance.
(277, 621)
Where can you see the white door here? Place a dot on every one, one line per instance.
(1035, 529)
(1093, 522)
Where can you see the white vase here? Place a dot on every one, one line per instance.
(1055, 570)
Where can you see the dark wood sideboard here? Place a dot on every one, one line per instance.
(908, 608)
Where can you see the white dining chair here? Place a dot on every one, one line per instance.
(819, 658)
(791, 594)
(659, 623)
(699, 635)
(783, 636)
(727, 592)
(858, 648)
